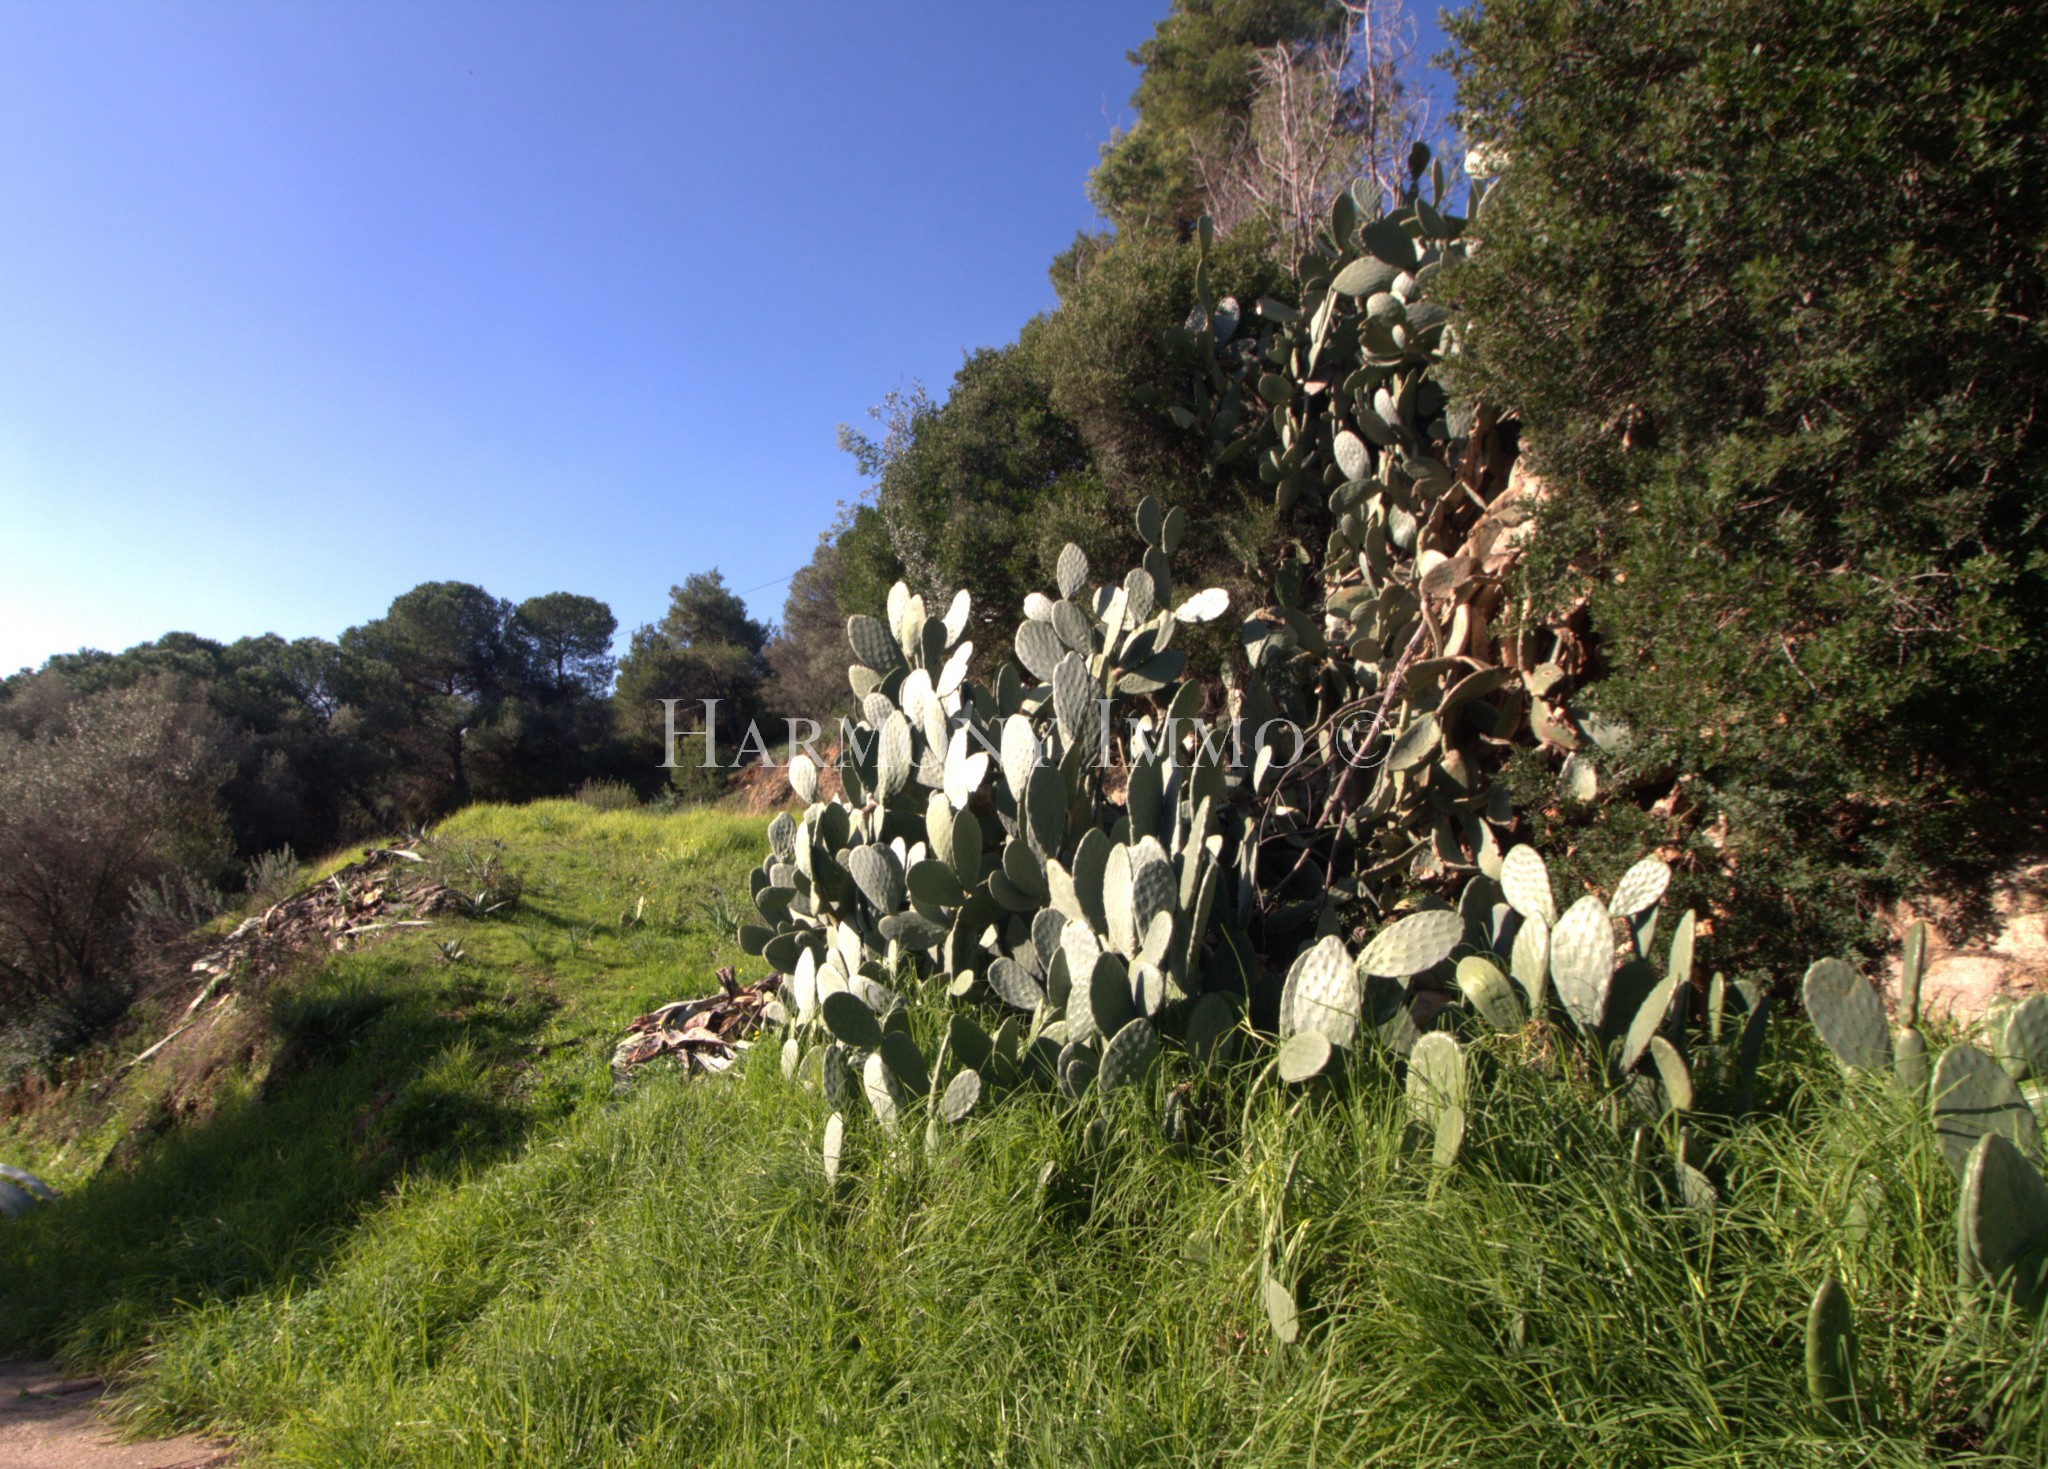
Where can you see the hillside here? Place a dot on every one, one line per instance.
(417, 1226)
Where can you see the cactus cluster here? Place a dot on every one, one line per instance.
(1386, 634)
(977, 839)
(1988, 1133)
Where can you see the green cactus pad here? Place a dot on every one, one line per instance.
(874, 872)
(962, 1093)
(933, 881)
(1118, 907)
(850, 1020)
(1127, 1059)
(905, 1063)
(1582, 960)
(1831, 1351)
(1525, 882)
(2004, 1218)
(1321, 993)
(1110, 1001)
(803, 778)
(1679, 964)
(1488, 992)
(968, 1043)
(1848, 1014)
(881, 1088)
(1640, 887)
(1304, 1054)
(835, 1144)
(1211, 1025)
(1045, 809)
(1154, 888)
(1649, 1019)
(1529, 963)
(836, 1078)
(2023, 1049)
(893, 755)
(1912, 966)
(1672, 1073)
(1412, 944)
(1973, 1096)
(1075, 1070)
(1073, 702)
(966, 857)
(912, 930)
(872, 643)
(1071, 572)
(1022, 867)
(1909, 1062)
(1014, 985)
(1436, 1092)
(1283, 1312)
(1150, 520)
(1071, 623)
(1039, 649)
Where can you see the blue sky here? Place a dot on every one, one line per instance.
(303, 304)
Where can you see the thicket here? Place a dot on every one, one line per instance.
(1765, 282)
(103, 799)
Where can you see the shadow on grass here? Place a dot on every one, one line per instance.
(379, 1075)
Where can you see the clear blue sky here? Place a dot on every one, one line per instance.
(302, 304)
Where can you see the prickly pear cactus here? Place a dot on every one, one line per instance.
(975, 842)
(1386, 633)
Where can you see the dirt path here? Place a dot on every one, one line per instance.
(48, 1421)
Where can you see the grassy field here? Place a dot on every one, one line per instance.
(427, 1232)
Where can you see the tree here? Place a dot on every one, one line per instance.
(705, 647)
(807, 655)
(445, 638)
(1197, 86)
(568, 640)
(1766, 281)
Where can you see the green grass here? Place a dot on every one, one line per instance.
(666, 1277)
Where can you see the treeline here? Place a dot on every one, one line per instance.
(453, 695)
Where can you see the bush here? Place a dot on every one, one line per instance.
(113, 795)
(1765, 281)
(608, 795)
(271, 877)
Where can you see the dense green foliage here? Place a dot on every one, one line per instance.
(1766, 281)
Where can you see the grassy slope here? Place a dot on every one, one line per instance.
(667, 1278)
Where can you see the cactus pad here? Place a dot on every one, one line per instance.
(2024, 1047)
(1488, 991)
(1848, 1014)
(1525, 882)
(1640, 887)
(835, 1143)
(1831, 1351)
(850, 1020)
(1582, 960)
(962, 1094)
(1321, 994)
(2004, 1221)
(1972, 1096)
(1412, 944)
(1127, 1059)
(1303, 1054)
